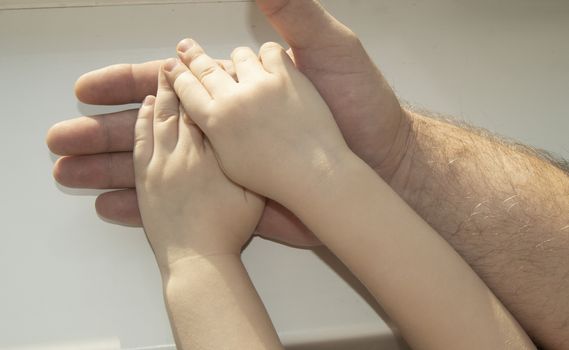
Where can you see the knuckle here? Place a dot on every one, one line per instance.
(207, 71)
(271, 46)
(194, 53)
(164, 117)
(241, 54)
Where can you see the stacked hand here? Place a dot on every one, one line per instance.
(270, 128)
(98, 149)
(189, 207)
(271, 131)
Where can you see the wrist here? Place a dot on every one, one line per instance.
(321, 180)
(401, 149)
(174, 244)
(194, 264)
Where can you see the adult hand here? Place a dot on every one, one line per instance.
(98, 150)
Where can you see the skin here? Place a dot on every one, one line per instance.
(296, 155)
(330, 67)
(197, 222)
(508, 218)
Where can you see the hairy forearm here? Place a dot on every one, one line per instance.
(437, 301)
(504, 208)
(212, 304)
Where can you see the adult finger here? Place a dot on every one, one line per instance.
(124, 83)
(99, 171)
(119, 207)
(91, 135)
(118, 84)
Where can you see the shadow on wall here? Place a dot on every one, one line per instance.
(385, 342)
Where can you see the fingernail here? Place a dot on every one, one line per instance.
(170, 64)
(148, 100)
(185, 45)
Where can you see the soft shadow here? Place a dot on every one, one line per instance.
(54, 157)
(379, 342)
(260, 28)
(78, 191)
(91, 110)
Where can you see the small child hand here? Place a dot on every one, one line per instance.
(271, 130)
(189, 207)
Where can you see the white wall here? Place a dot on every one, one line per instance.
(66, 275)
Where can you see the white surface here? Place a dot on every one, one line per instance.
(67, 276)
(98, 344)
(28, 4)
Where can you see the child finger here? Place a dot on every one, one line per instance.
(216, 80)
(247, 64)
(192, 94)
(143, 131)
(166, 115)
(275, 59)
(190, 135)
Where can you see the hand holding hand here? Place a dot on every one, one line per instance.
(189, 207)
(271, 130)
(98, 149)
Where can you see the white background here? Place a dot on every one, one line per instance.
(68, 276)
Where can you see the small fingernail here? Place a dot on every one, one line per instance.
(185, 45)
(148, 100)
(170, 64)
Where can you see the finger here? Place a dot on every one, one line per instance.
(192, 94)
(227, 66)
(190, 135)
(124, 83)
(107, 170)
(247, 64)
(144, 139)
(275, 59)
(91, 135)
(120, 207)
(207, 70)
(166, 115)
(304, 24)
(118, 84)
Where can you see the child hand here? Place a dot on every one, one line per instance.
(189, 207)
(271, 130)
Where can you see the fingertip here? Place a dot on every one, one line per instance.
(149, 101)
(119, 207)
(171, 70)
(271, 45)
(79, 90)
(60, 138)
(67, 173)
(64, 173)
(170, 64)
(146, 110)
(275, 58)
(56, 171)
(92, 87)
(51, 139)
(185, 45)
